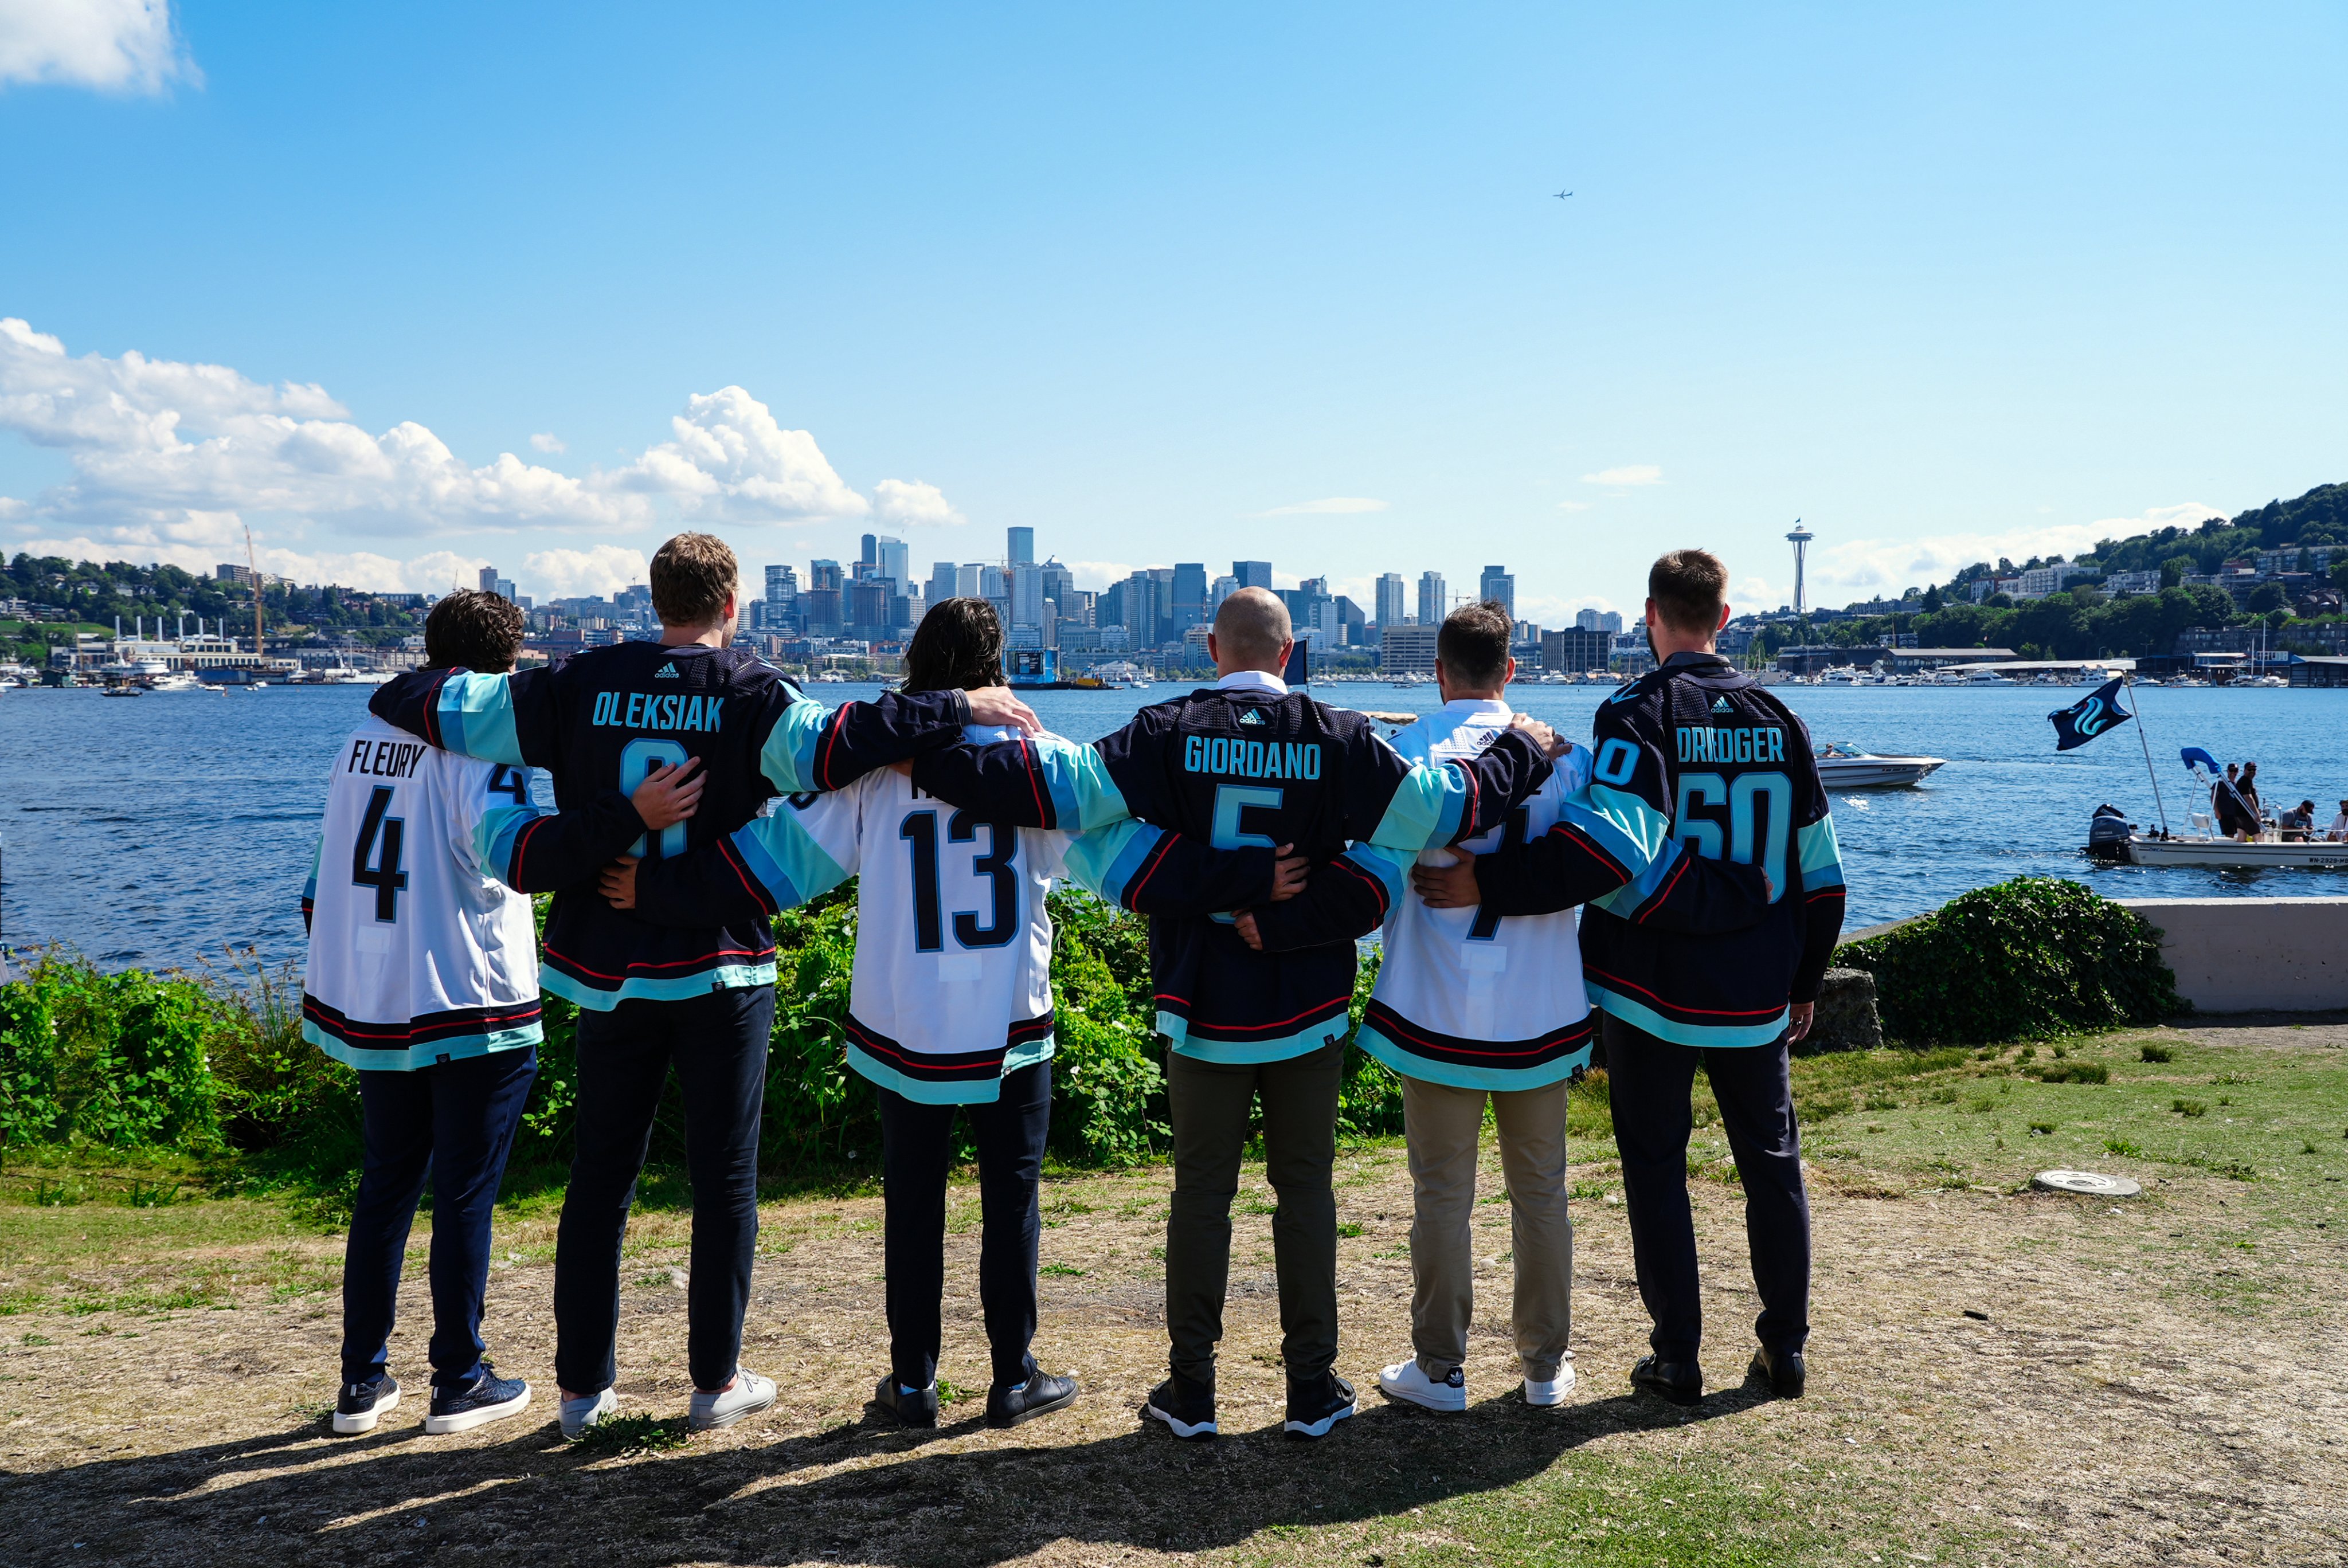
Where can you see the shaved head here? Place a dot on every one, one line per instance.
(1251, 628)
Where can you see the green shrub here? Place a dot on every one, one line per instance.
(29, 1108)
(2033, 957)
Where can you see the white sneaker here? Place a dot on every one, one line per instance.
(1403, 1381)
(1556, 1391)
(749, 1394)
(589, 1410)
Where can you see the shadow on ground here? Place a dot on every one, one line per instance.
(869, 1491)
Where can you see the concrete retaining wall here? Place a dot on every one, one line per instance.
(2254, 954)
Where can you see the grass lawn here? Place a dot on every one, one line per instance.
(1998, 1375)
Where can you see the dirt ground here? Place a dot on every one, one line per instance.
(1995, 1377)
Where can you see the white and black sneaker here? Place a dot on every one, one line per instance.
(588, 1411)
(1316, 1404)
(1186, 1405)
(1408, 1381)
(361, 1404)
(487, 1398)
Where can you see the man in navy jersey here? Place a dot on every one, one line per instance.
(700, 999)
(1699, 753)
(1249, 763)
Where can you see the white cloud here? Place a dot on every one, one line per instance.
(1327, 504)
(1841, 571)
(600, 571)
(157, 448)
(122, 45)
(546, 441)
(909, 503)
(1633, 474)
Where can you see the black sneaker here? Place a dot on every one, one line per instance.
(1681, 1382)
(487, 1398)
(1043, 1392)
(362, 1404)
(1185, 1405)
(1782, 1370)
(911, 1407)
(1316, 1404)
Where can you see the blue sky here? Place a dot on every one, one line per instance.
(1152, 280)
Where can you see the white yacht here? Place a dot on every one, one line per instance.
(1979, 676)
(1847, 767)
(178, 681)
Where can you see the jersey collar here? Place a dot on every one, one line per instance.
(1692, 660)
(1262, 681)
(1476, 708)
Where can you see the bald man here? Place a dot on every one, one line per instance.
(1244, 762)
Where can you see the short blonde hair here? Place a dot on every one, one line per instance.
(691, 576)
(1252, 625)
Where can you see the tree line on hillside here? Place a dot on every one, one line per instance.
(88, 593)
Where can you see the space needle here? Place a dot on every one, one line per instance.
(1800, 540)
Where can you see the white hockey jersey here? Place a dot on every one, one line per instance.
(421, 947)
(954, 944)
(1466, 996)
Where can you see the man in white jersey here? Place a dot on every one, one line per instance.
(423, 975)
(1469, 1004)
(951, 1006)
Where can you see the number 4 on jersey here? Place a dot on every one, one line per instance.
(385, 875)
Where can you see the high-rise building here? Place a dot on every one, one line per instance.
(891, 560)
(942, 582)
(1252, 573)
(967, 579)
(1577, 649)
(488, 583)
(1190, 595)
(1351, 622)
(1388, 605)
(1433, 604)
(1148, 605)
(781, 600)
(1021, 547)
(1060, 586)
(995, 586)
(1608, 620)
(823, 575)
(1026, 594)
(1499, 588)
(1221, 588)
(1408, 649)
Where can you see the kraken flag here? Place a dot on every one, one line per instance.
(2090, 716)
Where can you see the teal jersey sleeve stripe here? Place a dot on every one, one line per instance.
(1821, 856)
(1104, 861)
(476, 717)
(1646, 829)
(788, 757)
(1425, 811)
(494, 836)
(1391, 867)
(1083, 792)
(787, 859)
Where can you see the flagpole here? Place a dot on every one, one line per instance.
(2161, 805)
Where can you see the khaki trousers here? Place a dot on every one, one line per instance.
(1441, 1125)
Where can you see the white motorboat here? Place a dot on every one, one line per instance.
(1847, 767)
(2262, 853)
(176, 681)
(1978, 677)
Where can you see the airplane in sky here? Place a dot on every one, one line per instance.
(1563, 194)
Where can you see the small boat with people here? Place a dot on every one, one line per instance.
(2268, 846)
(1843, 766)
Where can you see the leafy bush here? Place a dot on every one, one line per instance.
(123, 1062)
(2026, 958)
(29, 1109)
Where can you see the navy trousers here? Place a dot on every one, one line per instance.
(453, 1121)
(718, 1043)
(1649, 1084)
(916, 1153)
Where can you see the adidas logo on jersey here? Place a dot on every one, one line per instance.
(1250, 716)
(1720, 705)
(666, 672)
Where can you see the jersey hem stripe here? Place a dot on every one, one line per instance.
(1702, 1037)
(1455, 1075)
(603, 999)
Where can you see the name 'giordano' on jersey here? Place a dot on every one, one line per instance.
(1251, 758)
(1705, 744)
(655, 711)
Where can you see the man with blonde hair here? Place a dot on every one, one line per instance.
(698, 999)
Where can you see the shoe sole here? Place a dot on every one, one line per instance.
(1421, 1402)
(1319, 1428)
(351, 1426)
(1031, 1411)
(466, 1421)
(1563, 1391)
(712, 1423)
(1189, 1431)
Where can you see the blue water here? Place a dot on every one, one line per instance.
(164, 830)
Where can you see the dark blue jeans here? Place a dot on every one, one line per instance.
(718, 1043)
(1649, 1082)
(453, 1121)
(917, 1153)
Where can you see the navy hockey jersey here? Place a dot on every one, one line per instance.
(1697, 754)
(1249, 763)
(953, 987)
(610, 716)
